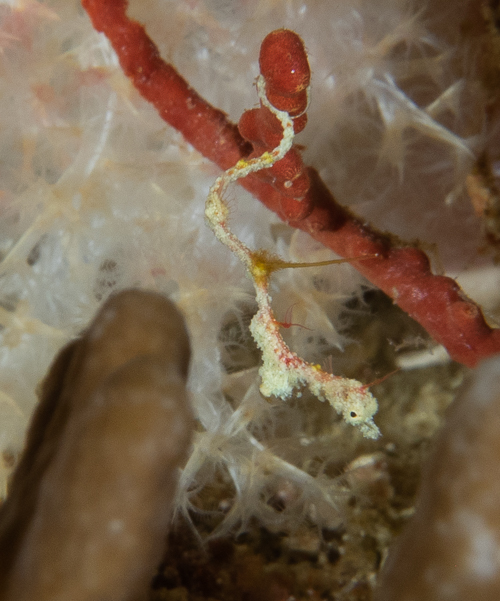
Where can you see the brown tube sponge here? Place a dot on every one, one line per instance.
(89, 504)
(450, 551)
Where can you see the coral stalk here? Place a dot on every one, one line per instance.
(90, 501)
(436, 302)
(450, 550)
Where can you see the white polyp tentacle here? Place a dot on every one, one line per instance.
(282, 370)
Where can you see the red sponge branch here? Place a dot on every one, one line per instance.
(436, 302)
(285, 69)
(203, 126)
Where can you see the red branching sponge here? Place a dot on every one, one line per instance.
(285, 69)
(284, 65)
(436, 302)
(205, 127)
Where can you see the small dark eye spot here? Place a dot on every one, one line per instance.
(354, 414)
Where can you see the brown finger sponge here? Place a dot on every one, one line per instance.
(450, 551)
(89, 504)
